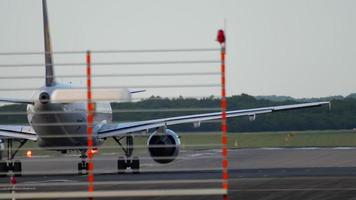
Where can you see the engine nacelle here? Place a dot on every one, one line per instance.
(164, 147)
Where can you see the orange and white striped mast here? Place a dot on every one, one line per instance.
(90, 120)
(224, 139)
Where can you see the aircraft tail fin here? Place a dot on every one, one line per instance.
(50, 80)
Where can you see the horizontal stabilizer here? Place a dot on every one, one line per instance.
(80, 95)
(12, 100)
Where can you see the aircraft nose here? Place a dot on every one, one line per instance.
(44, 98)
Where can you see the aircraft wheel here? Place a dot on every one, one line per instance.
(121, 165)
(17, 168)
(82, 166)
(3, 169)
(135, 165)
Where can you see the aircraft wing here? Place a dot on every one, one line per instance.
(109, 130)
(17, 132)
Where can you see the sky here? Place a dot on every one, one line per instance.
(299, 48)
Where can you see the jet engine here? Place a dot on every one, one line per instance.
(163, 146)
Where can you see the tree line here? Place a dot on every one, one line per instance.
(341, 116)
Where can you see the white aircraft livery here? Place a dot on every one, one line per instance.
(61, 126)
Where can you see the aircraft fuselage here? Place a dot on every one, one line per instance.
(63, 124)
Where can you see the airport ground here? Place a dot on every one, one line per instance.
(263, 173)
(316, 170)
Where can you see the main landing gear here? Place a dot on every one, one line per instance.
(128, 161)
(10, 165)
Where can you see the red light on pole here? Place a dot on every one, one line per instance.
(221, 37)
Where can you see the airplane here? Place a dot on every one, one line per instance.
(62, 126)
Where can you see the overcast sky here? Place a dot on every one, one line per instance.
(300, 48)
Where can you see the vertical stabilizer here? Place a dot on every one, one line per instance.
(47, 44)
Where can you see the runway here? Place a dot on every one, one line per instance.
(300, 173)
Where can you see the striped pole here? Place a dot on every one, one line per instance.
(90, 119)
(224, 138)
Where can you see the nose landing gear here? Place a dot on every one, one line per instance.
(123, 162)
(83, 165)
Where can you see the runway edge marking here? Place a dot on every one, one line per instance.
(126, 193)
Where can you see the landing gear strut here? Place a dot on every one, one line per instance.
(10, 165)
(128, 161)
(83, 165)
